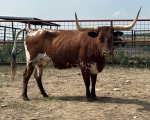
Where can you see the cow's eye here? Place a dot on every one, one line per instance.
(102, 40)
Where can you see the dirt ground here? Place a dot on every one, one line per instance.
(123, 94)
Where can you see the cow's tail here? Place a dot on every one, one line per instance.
(13, 55)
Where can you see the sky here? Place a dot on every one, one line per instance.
(85, 9)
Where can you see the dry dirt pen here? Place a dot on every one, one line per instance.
(123, 94)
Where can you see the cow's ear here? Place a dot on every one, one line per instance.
(115, 34)
(120, 33)
(92, 34)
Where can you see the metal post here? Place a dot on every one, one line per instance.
(111, 23)
(134, 37)
(13, 34)
(23, 35)
(28, 24)
(4, 33)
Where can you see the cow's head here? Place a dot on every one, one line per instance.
(105, 37)
(105, 34)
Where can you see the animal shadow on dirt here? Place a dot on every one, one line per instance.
(145, 104)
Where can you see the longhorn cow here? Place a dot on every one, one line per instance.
(86, 48)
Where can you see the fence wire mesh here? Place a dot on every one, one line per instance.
(136, 48)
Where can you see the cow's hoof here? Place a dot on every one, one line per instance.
(94, 97)
(25, 98)
(45, 95)
(90, 99)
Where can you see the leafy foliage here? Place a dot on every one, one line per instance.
(141, 60)
(5, 53)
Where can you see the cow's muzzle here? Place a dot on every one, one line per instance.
(106, 53)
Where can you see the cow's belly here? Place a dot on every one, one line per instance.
(43, 59)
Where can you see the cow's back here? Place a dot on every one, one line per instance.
(60, 46)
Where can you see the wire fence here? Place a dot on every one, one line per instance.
(137, 40)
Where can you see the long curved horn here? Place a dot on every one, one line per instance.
(127, 27)
(119, 27)
(90, 28)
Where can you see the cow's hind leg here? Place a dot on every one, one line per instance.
(26, 76)
(93, 80)
(38, 76)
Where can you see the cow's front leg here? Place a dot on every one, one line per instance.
(93, 80)
(86, 78)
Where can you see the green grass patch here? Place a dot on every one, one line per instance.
(50, 98)
(16, 105)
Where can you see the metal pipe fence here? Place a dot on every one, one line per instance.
(137, 40)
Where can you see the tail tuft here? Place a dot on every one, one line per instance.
(13, 64)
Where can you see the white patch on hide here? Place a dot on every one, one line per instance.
(40, 57)
(51, 30)
(119, 37)
(27, 53)
(67, 64)
(79, 34)
(80, 63)
(50, 63)
(39, 31)
(32, 33)
(39, 70)
(93, 69)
